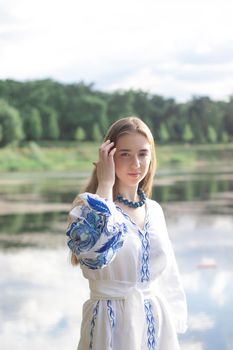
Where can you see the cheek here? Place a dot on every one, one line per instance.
(121, 162)
(118, 165)
(146, 163)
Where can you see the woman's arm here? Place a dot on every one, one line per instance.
(105, 168)
(97, 231)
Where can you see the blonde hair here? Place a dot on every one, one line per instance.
(123, 126)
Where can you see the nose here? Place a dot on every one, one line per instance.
(135, 162)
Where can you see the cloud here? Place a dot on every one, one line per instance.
(191, 281)
(201, 322)
(192, 345)
(220, 285)
(174, 48)
(40, 299)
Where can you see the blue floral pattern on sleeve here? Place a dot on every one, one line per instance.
(94, 237)
(107, 252)
(86, 231)
(98, 205)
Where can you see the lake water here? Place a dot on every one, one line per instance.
(41, 294)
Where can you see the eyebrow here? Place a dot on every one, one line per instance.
(128, 150)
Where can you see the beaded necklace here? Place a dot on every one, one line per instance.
(132, 204)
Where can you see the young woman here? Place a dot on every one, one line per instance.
(119, 237)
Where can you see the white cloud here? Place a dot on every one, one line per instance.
(148, 44)
(218, 290)
(41, 300)
(201, 322)
(192, 345)
(191, 281)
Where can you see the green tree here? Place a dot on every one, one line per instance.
(202, 113)
(141, 104)
(163, 133)
(53, 131)
(120, 104)
(228, 117)
(198, 117)
(1, 133)
(156, 114)
(90, 110)
(69, 106)
(32, 124)
(10, 124)
(187, 133)
(80, 134)
(224, 137)
(212, 135)
(170, 115)
(96, 136)
(49, 121)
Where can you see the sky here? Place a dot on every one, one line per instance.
(174, 48)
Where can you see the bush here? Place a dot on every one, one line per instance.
(11, 131)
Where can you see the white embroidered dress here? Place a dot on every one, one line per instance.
(137, 301)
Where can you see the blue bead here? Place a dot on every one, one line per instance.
(132, 204)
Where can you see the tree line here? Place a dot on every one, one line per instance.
(49, 110)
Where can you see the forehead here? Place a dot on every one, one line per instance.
(132, 141)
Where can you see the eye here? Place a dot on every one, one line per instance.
(143, 154)
(125, 154)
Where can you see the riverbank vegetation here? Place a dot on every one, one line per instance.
(78, 157)
(45, 110)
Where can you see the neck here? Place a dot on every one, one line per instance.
(129, 192)
(133, 204)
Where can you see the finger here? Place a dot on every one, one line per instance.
(109, 147)
(106, 148)
(112, 152)
(104, 144)
(102, 147)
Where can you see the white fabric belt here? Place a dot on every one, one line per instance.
(104, 290)
(133, 296)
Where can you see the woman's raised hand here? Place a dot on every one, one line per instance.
(105, 168)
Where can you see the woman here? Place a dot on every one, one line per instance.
(119, 237)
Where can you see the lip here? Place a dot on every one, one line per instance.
(134, 174)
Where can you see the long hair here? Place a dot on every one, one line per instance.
(123, 126)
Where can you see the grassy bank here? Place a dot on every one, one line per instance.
(79, 157)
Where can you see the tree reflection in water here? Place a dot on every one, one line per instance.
(42, 295)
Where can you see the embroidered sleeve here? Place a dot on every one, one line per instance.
(170, 285)
(97, 231)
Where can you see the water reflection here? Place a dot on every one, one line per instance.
(38, 222)
(42, 295)
(192, 190)
(203, 245)
(168, 188)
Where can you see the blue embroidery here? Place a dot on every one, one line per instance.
(111, 317)
(145, 272)
(107, 252)
(94, 315)
(98, 205)
(111, 313)
(111, 243)
(145, 241)
(87, 230)
(100, 260)
(151, 342)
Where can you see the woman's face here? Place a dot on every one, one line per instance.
(132, 158)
